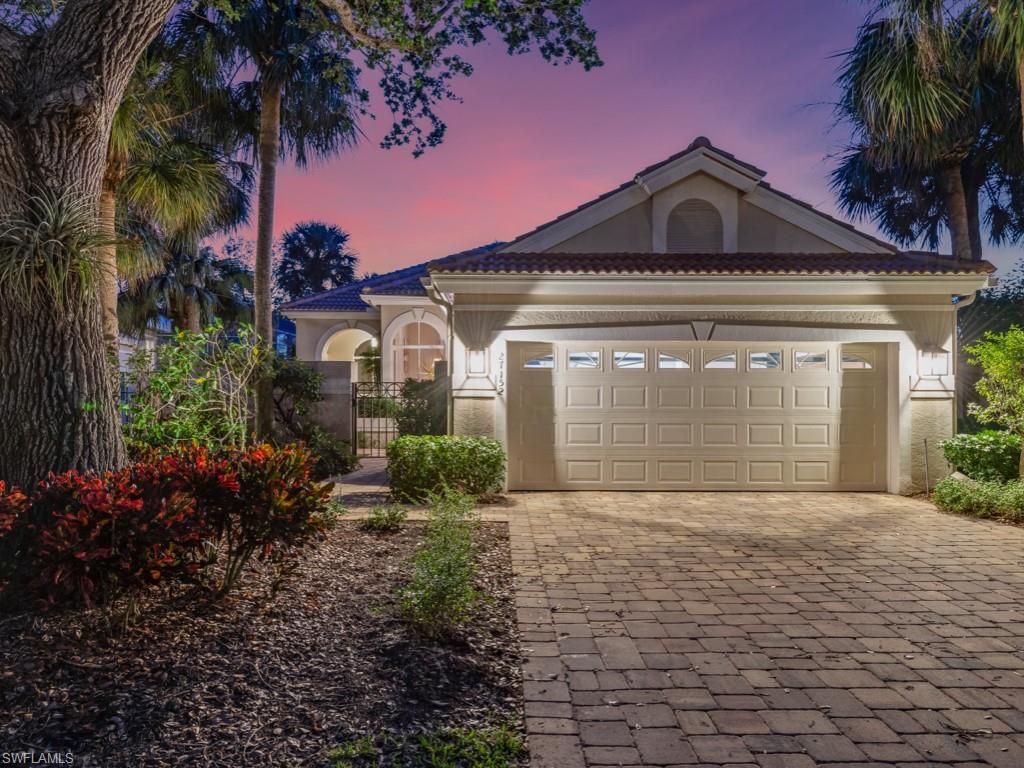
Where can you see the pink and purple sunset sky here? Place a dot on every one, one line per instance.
(530, 141)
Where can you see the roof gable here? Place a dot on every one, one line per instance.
(700, 157)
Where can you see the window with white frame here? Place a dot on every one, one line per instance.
(417, 348)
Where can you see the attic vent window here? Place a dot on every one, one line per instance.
(694, 226)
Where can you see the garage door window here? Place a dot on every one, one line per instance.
(765, 361)
(636, 361)
(719, 360)
(584, 359)
(676, 362)
(812, 360)
(855, 362)
(540, 361)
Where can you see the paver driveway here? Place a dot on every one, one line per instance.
(780, 630)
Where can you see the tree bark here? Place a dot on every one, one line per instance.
(59, 89)
(269, 149)
(952, 185)
(971, 197)
(108, 257)
(190, 316)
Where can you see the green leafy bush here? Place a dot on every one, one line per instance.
(198, 390)
(88, 538)
(297, 389)
(441, 594)
(987, 499)
(987, 455)
(384, 519)
(423, 409)
(420, 465)
(331, 456)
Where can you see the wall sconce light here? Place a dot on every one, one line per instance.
(933, 361)
(477, 362)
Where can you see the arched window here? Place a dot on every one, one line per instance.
(694, 226)
(418, 346)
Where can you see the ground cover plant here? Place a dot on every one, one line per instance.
(384, 519)
(497, 747)
(989, 499)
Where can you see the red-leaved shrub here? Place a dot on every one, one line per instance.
(88, 537)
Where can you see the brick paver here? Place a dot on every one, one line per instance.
(770, 630)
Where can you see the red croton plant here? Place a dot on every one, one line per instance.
(89, 537)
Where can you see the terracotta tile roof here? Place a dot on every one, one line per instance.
(907, 263)
(411, 284)
(702, 142)
(348, 298)
(407, 281)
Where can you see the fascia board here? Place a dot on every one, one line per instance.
(575, 223)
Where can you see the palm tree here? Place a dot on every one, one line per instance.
(314, 257)
(911, 87)
(907, 203)
(196, 288)
(165, 170)
(1004, 46)
(292, 74)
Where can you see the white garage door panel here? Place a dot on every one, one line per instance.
(605, 415)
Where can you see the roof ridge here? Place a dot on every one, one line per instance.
(702, 142)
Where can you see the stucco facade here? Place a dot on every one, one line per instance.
(596, 277)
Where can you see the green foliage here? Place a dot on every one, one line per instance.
(986, 455)
(420, 465)
(496, 747)
(377, 408)
(314, 257)
(384, 519)
(441, 594)
(193, 286)
(423, 409)
(50, 253)
(87, 538)
(1001, 357)
(332, 456)
(296, 390)
(199, 390)
(993, 500)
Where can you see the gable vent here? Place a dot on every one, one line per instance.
(694, 226)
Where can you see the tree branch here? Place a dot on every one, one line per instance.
(355, 30)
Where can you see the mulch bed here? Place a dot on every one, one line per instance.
(262, 677)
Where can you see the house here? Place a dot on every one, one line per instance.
(693, 328)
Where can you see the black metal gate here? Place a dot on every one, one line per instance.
(375, 405)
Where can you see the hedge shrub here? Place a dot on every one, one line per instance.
(420, 465)
(986, 455)
(986, 499)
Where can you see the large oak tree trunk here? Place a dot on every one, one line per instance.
(59, 90)
(270, 147)
(952, 186)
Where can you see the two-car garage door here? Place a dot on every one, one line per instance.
(676, 416)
